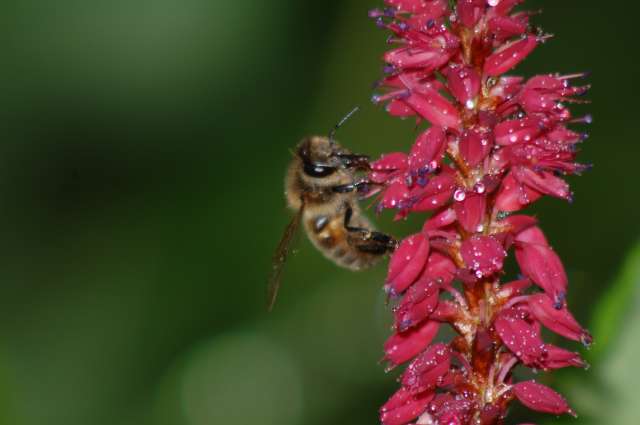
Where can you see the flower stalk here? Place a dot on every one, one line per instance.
(495, 145)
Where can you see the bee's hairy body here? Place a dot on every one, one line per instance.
(332, 219)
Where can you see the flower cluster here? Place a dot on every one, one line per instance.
(496, 143)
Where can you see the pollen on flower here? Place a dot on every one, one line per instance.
(493, 145)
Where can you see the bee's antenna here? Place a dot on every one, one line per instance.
(333, 131)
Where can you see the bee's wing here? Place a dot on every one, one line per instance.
(280, 256)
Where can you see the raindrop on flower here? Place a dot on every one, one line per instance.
(459, 195)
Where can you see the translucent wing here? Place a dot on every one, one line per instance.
(279, 258)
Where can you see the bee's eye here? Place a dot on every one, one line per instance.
(315, 170)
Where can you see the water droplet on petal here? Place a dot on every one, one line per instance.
(459, 195)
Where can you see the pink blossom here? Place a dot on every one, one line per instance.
(557, 318)
(426, 371)
(403, 346)
(541, 398)
(492, 146)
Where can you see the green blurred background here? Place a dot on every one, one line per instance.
(143, 149)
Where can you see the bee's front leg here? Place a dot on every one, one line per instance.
(353, 160)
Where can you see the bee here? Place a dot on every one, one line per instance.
(322, 187)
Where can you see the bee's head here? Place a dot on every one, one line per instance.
(318, 156)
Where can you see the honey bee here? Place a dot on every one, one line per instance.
(323, 188)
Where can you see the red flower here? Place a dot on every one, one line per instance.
(495, 145)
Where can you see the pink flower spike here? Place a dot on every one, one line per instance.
(520, 336)
(425, 372)
(402, 347)
(433, 107)
(508, 56)
(559, 320)
(541, 398)
(407, 263)
(483, 254)
(464, 83)
(471, 212)
(402, 407)
(487, 145)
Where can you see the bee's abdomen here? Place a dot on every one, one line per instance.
(329, 235)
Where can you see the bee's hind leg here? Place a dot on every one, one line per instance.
(366, 240)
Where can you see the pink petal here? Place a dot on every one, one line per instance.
(520, 336)
(399, 108)
(544, 182)
(514, 196)
(508, 56)
(541, 398)
(463, 83)
(475, 146)
(557, 358)
(395, 195)
(450, 410)
(434, 108)
(505, 27)
(428, 149)
(436, 193)
(543, 266)
(483, 254)
(425, 58)
(404, 346)
(440, 268)
(390, 162)
(435, 7)
(446, 312)
(470, 11)
(439, 220)
(515, 288)
(520, 223)
(504, 6)
(471, 212)
(425, 371)
(403, 407)
(420, 300)
(531, 234)
(518, 131)
(559, 320)
(407, 263)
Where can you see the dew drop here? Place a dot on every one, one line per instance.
(459, 195)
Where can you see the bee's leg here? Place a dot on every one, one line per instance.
(366, 240)
(352, 160)
(361, 186)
